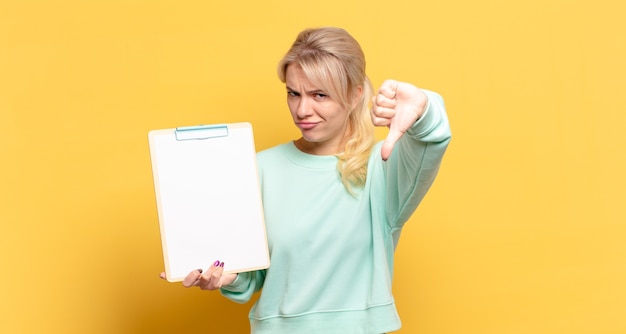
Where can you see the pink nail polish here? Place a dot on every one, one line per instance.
(222, 264)
(217, 263)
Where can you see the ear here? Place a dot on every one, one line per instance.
(357, 97)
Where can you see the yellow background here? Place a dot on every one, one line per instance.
(523, 232)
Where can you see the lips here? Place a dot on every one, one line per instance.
(306, 125)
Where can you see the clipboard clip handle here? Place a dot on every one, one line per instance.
(201, 132)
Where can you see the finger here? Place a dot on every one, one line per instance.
(392, 138)
(217, 276)
(388, 89)
(211, 278)
(380, 121)
(381, 100)
(192, 278)
(162, 275)
(381, 116)
(382, 112)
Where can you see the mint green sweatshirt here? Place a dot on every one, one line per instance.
(332, 253)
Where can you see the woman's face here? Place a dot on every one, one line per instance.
(319, 116)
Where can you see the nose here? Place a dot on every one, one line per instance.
(304, 108)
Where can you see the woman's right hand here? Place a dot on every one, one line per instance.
(211, 279)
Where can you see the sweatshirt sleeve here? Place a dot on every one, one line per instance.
(415, 160)
(244, 286)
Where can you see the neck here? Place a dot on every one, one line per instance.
(319, 148)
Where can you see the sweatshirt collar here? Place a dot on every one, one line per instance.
(309, 160)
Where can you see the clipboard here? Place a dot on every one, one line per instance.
(208, 198)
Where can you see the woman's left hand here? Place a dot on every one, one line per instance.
(398, 105)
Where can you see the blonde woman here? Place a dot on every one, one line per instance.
(335, 201)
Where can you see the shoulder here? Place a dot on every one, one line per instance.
(274, 150)
(272, 154)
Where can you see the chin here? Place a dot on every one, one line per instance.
(311, 140)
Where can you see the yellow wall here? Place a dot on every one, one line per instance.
(523, 231)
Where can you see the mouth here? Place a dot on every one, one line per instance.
(306, 125)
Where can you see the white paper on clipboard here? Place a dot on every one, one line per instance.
(208, 198)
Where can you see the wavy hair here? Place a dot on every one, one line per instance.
(334, 61)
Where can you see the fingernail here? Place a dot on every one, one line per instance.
(222, 264)
(217, 263)
(200, 271)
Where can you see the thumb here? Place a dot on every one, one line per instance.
(392, 138)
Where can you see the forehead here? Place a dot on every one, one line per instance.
(295, 75)
(314, 77)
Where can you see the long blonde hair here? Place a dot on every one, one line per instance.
(332, 59)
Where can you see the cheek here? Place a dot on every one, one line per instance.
(291, 108)
(340, 115)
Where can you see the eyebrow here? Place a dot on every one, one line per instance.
(315, 91)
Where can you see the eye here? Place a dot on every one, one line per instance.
(291, 93)
(320, 95)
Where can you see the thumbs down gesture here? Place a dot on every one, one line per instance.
(398, 105)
